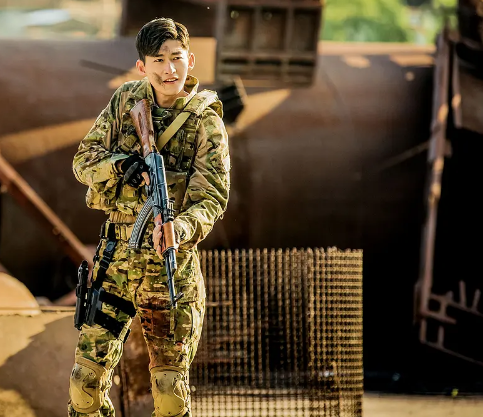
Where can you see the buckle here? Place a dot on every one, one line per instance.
(109, 248)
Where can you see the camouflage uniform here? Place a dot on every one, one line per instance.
(197, 168)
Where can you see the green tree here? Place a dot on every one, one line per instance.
(382, 20)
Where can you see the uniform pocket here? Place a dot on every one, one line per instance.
(129, 200)
(177, 182)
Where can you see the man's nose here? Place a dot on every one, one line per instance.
(169, 68)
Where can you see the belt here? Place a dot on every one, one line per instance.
(116, 231)
(118, 217)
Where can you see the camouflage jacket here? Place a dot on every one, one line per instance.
(203, 199)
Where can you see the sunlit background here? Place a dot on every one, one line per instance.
(413, 21)
(44, 19)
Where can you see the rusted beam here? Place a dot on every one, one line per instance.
(26, 197)
(436, 157)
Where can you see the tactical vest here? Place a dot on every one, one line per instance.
(178, 155)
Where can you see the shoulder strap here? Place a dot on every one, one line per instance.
(201, 101)
(197, 105)
(172, 129)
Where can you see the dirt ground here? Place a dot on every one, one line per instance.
(419, 406)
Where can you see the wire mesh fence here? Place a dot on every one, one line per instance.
(282, 334)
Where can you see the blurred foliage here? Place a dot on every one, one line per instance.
(384, 20)
(59, 19)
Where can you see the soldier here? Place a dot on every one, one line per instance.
(197, 170)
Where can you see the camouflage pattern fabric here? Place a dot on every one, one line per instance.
(201, 194)
(172, 336)
(201, 191)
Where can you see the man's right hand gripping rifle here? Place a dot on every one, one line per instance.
(150, 171)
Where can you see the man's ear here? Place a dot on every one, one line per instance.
(140, 67)
(191, 60)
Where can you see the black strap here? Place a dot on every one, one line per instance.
(118, 302)
(109, 323)
(104, 262)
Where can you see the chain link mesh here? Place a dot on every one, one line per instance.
(282, 334)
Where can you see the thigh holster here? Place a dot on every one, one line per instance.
(90, 307)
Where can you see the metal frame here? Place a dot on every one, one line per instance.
(431, 307)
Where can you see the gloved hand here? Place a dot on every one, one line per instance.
(135, 171)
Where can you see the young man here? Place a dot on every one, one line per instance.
(197, 170)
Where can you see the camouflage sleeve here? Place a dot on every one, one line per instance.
(94, 164)
(208, 188)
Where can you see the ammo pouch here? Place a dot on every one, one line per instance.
(96, 295)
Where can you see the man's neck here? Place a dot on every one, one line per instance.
(167, 101)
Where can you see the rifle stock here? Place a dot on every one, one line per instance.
(141, 117)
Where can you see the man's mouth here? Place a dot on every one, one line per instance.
(170, 80)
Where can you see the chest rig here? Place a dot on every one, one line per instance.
(176, 131)
(178, 153)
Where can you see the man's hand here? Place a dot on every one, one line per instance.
(158, 240)
(135, 170)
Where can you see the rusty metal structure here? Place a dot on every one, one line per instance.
(448, 310)
(336, 156)
(273, 42)
(26, 197)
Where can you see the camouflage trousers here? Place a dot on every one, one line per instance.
(171, 336)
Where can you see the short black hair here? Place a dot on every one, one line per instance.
(154, 33)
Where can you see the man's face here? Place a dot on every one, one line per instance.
(167, 70)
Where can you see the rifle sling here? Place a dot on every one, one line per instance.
(172, 129)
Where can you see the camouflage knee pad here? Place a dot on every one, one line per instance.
(171, 392)
(89, 384)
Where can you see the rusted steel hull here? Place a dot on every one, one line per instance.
(306, 164)
(307, 157)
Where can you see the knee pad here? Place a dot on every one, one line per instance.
(170, 391)
(88, 385)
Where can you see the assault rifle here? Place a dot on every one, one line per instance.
(158, 204)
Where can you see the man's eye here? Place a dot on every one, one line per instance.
(158, 60)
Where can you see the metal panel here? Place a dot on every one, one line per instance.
(271, 41)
